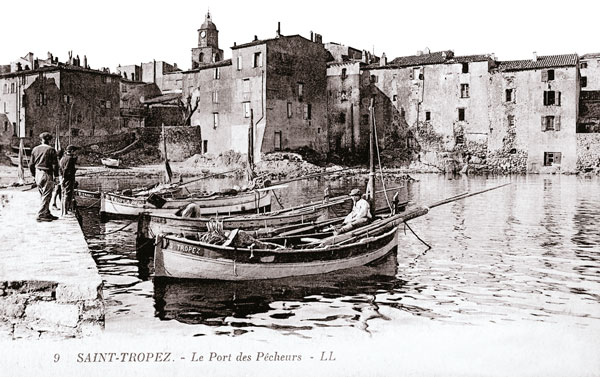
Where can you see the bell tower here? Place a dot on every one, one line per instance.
(208, 44)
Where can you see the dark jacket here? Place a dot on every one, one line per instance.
(67, 166)
(43, 157)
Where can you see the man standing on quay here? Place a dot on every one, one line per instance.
(44, 167)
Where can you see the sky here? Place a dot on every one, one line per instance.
(113, 32)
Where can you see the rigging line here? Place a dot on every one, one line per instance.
(120, 229)
(419, 238)
(92, 205)
(379, 160)
(277, 198)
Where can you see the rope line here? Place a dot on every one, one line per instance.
(120, 229)
(419, 238)
(379, 160)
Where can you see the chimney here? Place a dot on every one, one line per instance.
(234, 44)
(426, 51)
(318, 38)
(493, 56)
(311, 36)
(85, 65)
(535, 57)
(444, 55)
(419, 53)
(50, 56)
(383, 60)
(278, 29)
(255, 38)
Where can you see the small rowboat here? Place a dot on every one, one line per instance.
(85, 198)
(111, 162)
(117, 205)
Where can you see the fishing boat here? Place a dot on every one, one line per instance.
(118, 205)
(86, 198)
(111, 162)
(151, 224)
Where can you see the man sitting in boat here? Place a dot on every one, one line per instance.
(360, 215)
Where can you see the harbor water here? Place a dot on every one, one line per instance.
(525, 253)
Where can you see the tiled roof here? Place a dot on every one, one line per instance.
(262, 41)
(549, 61)
(470, 59)
(433, 58)
(61, 67)
(593, 55)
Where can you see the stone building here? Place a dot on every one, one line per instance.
(281, 81)
(431, 103)
(133, 94)
(589, 68)
(533, 114)
(153, 72)
(74, 100)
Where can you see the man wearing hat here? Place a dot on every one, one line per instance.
(360, 215)
(44, 167)
(67, 172)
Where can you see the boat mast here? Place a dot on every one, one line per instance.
(370, 192)
(251, 147)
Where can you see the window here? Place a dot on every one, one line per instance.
(461, 114)
(257, 61)
(215, 120)
(415, 74)
(550, 123)
(548, 75)
(215, 97)
(246, 107)
(465, 67)
(103, 79)
(67, 98)
(217, 73)
(204, 146)
(306, 114)
(511, 121)
(277, 141)
(289, 110)
(108, 105)
(5, 90)
(427, 115)
(23, 80)
(510, 95)
(464, 90)
(42, 100)
(460, 139)
(583, 81)
(583, 65)
(344, 73)
(300, 90)
(395, 97)
(551, 98)
(246, 85)
(12, 87)
(343, 96)
(5, 126)
(239, 62)
(374, 79)
(552, 158)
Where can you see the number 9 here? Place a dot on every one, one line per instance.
(56, 357)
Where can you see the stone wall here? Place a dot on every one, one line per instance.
(182, 142)
(45, 309)
(588, 152)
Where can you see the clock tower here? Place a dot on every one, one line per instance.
(208, 44)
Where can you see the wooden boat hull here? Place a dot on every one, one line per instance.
(181, 258)
(85, 198)
(126, 206)
(150, 225)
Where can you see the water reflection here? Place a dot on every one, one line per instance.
(345, 294)
(528, 252)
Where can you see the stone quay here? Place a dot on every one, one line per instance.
(49, 283)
